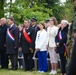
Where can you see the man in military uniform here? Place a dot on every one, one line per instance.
(34, 25)
(72, 65)
(36, 28)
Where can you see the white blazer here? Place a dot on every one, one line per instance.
(41, 40)
(51, 33)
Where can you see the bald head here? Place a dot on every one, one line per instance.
(3, 21)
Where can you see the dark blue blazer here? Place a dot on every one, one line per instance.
(11, 44)
(62, 41)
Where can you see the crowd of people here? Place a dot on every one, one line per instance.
(22, 41)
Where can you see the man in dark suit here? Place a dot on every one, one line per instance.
(4, 57)
(27, 44)
(12, 41)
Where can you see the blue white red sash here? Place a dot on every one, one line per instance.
(60, 37)
(10, 35)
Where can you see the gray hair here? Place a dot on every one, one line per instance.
(65, 21)
(3, 19)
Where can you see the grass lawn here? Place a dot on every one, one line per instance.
(21, 72)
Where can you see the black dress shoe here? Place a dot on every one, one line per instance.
(30, 70)
(25, 69)
(4, 67)
(14, 68)
(10, 69)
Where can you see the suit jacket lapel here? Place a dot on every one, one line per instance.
(11, 27)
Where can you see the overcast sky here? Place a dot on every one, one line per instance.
(63, 0)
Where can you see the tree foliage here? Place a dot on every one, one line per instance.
(69, 10)
(1, 8)
(40, 9)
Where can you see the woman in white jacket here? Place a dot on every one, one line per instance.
(40, 46)
(51, 33)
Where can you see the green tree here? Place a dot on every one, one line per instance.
(58, 12)
(69, 10)
(1, 8)
(21, 11)
(64, 11)
(40, 9)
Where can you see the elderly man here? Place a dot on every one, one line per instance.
(3, 30)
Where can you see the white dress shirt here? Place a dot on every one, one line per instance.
(11, 25)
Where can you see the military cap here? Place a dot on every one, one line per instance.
(33, 20)
(47, 21)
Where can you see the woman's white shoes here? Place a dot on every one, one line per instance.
(53, 72)
(41, 71)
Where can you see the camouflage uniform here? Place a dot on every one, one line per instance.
(72, 65)
(72, 29)
(74, 22)
(70, 41)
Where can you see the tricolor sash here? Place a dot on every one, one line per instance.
(60, 37)
(26, 36)
(10, 35)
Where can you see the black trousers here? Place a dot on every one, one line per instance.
(4, 59)
(13, 58)
(63, 63)
(28, 61)
(72, 65)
